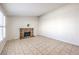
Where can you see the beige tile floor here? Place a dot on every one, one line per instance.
(39, 45)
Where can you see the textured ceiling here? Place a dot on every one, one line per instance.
(29, 9)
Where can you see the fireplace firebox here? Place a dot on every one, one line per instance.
(26, 34)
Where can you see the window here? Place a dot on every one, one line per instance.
(2, 26)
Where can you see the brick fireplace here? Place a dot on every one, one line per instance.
(25, 32)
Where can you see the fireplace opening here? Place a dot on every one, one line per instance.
(26, 34)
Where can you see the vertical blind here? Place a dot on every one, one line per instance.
(2, 26)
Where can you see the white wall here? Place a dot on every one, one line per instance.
(61, 24)
(15, 23)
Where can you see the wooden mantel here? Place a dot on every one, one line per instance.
(22, 30)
